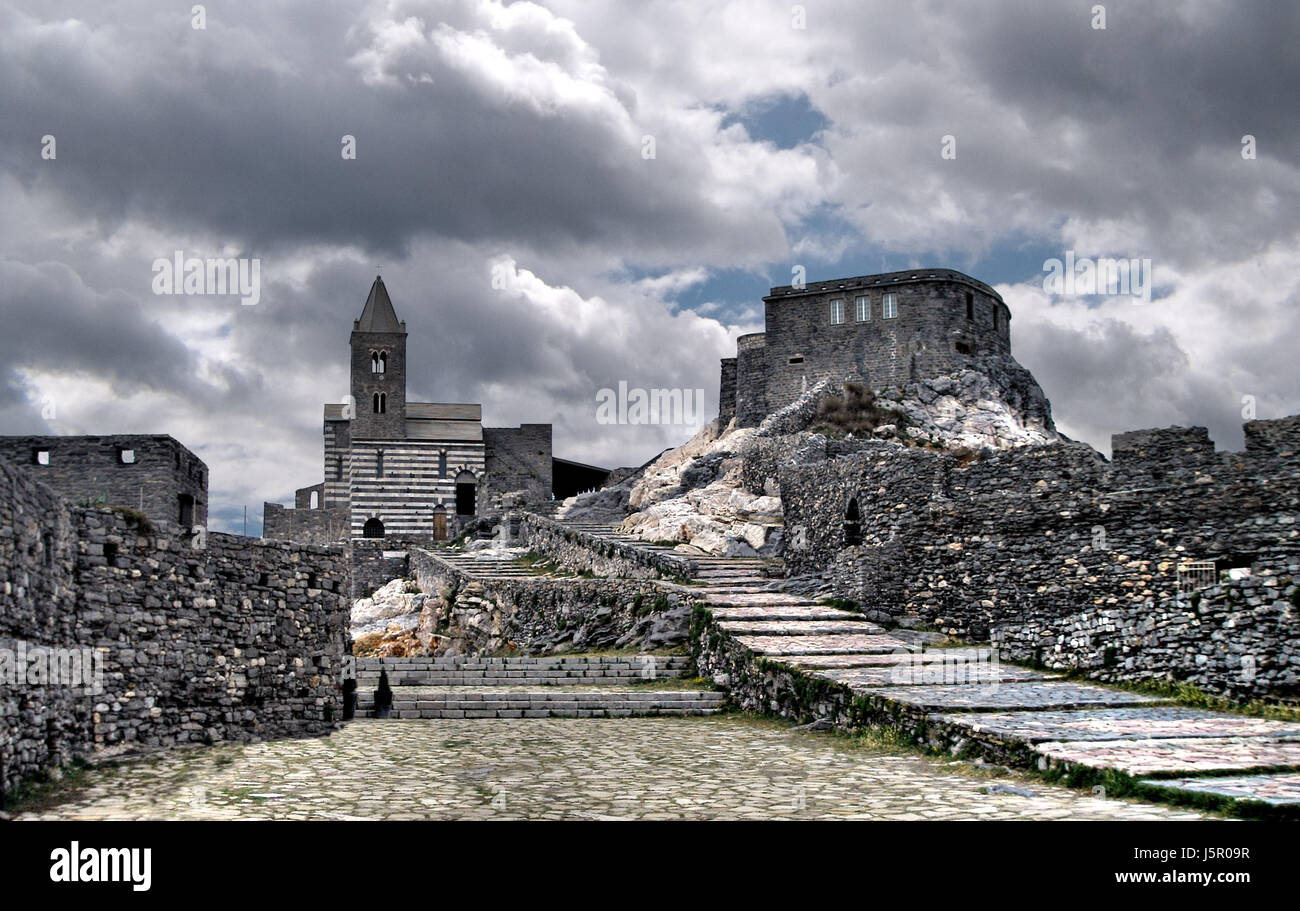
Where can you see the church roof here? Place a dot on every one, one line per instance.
(378, 314)
(445, 411)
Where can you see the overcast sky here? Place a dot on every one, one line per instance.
(513, 136)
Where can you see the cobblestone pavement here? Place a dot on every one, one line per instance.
(730, 767)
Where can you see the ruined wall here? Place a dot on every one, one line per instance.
(1237, 639)
(374, 562)
(517, 459)
(305, 526)
(471, 616)
(85, 469)
(727, 393)
(1034, 536)
(200, 638)
(579, 551)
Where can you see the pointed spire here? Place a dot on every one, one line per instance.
(378, 314)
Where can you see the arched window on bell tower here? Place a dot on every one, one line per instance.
(380, 402)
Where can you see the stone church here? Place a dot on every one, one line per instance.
(394, 468)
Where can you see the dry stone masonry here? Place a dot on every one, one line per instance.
(200, 637)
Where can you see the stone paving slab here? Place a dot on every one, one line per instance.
(1184, 754)
(781, 612)
(1123, 724)
(823, 645)
(720, 767)
(1048, 694)
(1278, 790)
(845, 661)
(763, 597)
(931, 673)
(799, 627)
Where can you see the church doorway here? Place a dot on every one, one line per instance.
(373, 528)
(439, 524)
(465, 492)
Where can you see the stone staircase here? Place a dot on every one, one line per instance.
(542, 687)
(964, 697)
(484, 563)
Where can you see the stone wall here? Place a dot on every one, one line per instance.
(518, 461)
(85, 469)
(374, 562)
(727, 393)
(580, 551)
(305, 525)
(473, 616)
(1236, 639)
(199, 637)
(1038, 534)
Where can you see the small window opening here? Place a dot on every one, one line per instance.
(126, 456)
(852, 524)
(41, 457)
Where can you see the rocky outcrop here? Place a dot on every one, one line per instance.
(718, 493)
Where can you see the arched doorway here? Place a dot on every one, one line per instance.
(466, 489)
(373, 528)
(439, 524)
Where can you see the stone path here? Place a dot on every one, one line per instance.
(725, 767)
(967, 693)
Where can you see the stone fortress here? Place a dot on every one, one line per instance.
(882, 330)
(1171, 562)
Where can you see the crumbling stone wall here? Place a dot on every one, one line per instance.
(1038, 535)
(472, 616)
(1236, 639)
(580, 551)
(518, 461)
(323, 526)
(202, 638)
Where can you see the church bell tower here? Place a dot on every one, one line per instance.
(379, 369)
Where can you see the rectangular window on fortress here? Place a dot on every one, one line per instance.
(837, 312)
(862, 308)
(889, 306)
(970, 305)
(41, 457)
(126, 456)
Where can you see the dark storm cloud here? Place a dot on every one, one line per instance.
(492, 132)
(54, 322)
(225, 131)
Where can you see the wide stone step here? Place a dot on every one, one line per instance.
(838, 644)
(799, 627)
(517, 678)
(782, 612)
(1024, 696)
(475, 702)
(532, 661)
